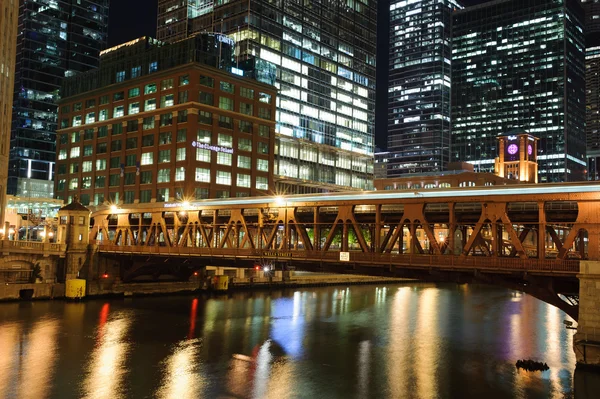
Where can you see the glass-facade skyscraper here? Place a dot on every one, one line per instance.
(592, 85)
(418, 133)
(9, 16)
(57, 38)
(324, 52)
(519, 64)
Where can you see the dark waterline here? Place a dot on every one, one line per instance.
(394, 341)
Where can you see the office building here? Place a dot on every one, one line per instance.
(9, 17)
(592, 86)
(592, 115)
(419, 86)
(324, 52)
(56, 39)
(161, 123)
(591, 9)
(520, 65)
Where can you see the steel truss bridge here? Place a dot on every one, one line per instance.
(528, 237)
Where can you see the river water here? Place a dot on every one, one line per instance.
(388, 341)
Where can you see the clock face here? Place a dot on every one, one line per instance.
(512, 149)
(529, 149)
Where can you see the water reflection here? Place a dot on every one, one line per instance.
(395, 341)
(426, 357)
(182, 378)
(106, 371)
(8, 345)
(38, 356)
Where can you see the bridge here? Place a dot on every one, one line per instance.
(540, 239)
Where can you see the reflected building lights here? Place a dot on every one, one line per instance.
(8, 349)
(554, 350)
(182, 379)
(426, 357)
(106, 367)
(364, 368)
(399, 346)
(262, 375)
(37, 368)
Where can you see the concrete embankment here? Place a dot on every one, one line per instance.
(101, 288)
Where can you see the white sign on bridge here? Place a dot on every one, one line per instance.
(344, 256)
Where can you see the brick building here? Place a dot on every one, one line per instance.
(153, 125)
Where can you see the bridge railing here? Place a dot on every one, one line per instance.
(33, 246)
(364, 258)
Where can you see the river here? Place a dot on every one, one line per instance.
(410, 340)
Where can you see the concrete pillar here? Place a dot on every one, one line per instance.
(587, 340)
(240, 273)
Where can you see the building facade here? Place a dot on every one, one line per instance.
(520, 65)
(592, 86)
(592, 115)
(9, 17)
(418, 132)
(324, 52)
(592, 18)
(56, 39)
(161, 123)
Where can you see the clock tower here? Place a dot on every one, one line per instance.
(517, 157)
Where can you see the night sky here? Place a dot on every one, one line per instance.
(130, 19)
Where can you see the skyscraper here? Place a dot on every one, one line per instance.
(592, 18)
(324, 52)
(519, 64)
(419, 86)
(9, 17)
(592, 86)
(56, 39)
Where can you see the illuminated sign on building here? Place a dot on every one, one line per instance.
(215, 148)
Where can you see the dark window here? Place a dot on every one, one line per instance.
(146, 177)
(148, 140)
(145, 196)
(205, 117)
(114, 162)
(166, 119)
(206, 98)
(115, 145)
(119, 96)
(129, 197)
(207, 81)
(100, 181)
(129, 178)
(226, 122)
(101, 148)
(131, 143)
(181, 133)
(117, 129)
(103, 131)
(132, 126)
(114, 180)
(130, 160)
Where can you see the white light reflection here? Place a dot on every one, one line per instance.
(38, 364)
(364, 366)
(182, 378)
(428, 344)
(398, 362)
(106, 369)
(8, 348)
(262, 375)
(554, 350)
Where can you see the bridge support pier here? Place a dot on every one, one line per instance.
(587, 340)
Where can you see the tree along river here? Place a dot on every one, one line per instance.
(390, 341)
